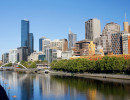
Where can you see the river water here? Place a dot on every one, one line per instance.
(47, 87)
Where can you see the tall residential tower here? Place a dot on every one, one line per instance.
(92, 29)
(72, 39)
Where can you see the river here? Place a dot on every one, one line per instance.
(47, 87)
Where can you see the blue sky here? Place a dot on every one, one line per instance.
(54, 18)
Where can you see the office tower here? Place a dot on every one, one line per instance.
(13, 55)
(126, 27)
(27, 39)
(72, 39)
(5, 58)
(65, 44)
(40, 43)
(45, 44)
(92, 29)
(108, 30)
(23, 53)
(24, 33)
(126, 43)
(31, 42)
(57, 44)
(48, 53)
(117, 47)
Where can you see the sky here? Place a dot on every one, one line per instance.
(54, 18)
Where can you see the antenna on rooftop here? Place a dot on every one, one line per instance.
(125, 17)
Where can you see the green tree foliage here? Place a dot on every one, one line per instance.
(8, 65)
(33, 65)
(106, 64)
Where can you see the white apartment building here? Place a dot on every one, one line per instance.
(34, 56)
(67, 54)
(13, 55)
(45, 44)
(57, 44)
(126, 43)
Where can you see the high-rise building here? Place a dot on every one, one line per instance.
(117, 47)
(108, 30)
(13, 55)
(126, 27)
(23, 53)
(57, 44)
(126, 43)
(5, 58)
(27, 39)
(45, 44)
(48, 53)
(72, 39)
(40, 43)
(24, 33)
(92, 29)
(65, 45)
(31, 42)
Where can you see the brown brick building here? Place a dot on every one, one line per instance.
(81, 48)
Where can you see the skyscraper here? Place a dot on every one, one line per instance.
(40, 43)
(23, 53)
(13, 55)
(108, 30)
(31, 42)
(72, 39)
(126, 26)
(27, 39)
(126, 43)
(5, 58)
(92, 29)
(117, 46)
(24, 33)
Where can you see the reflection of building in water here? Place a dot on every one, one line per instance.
(51, 87)
(11, 77)
(27, 88)
(73, 93)
(91, 94)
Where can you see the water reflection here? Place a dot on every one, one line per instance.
(46, 87)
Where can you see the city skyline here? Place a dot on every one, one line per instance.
(51, 21)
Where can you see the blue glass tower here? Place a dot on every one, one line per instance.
(31, 42)
(24, 33)
(40, 43)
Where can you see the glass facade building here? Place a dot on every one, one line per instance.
(24, 33)
(40, 43)
(41, 57)
(72, 40)
(27, 39)
(31, 42)
(5, 58)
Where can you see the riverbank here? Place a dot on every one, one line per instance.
(84, 75)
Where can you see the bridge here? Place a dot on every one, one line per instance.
(13, 63)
